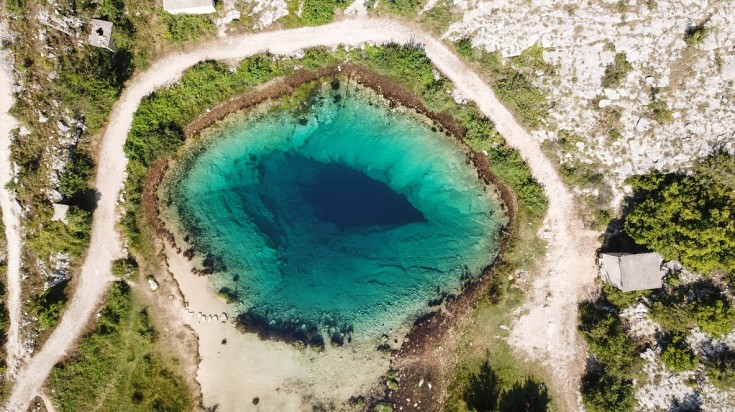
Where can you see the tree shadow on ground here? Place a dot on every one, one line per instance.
(483, 393)
(529, 396)
(483, 389)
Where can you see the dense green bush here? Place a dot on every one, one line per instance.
(677, 355)
(622, 300)
(603, 331)
(685, 218)
(700, 304)
(47, 307)
(523, 98)
(117, 366)
(616, 71)
(607, 393)
(77, 175)
(47, 237)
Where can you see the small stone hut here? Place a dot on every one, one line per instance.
(101, 34)
(189, 6)
(629, 272)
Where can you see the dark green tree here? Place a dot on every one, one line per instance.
(685, 218)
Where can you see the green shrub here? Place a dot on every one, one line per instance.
(406, 8)
(125, 268)
(660, 111)
(15, 6)
(622, 300)
(603, 331)
(699, 304)
(616, 71)
(464, 47)
(77, 175)
(316, 12)
(606, 393)
(523, 98)
(48, 237)
(721, 370)
(695, 34)
(532, 60)
(383, 407)
(677, 355)
(685, 218)
(47, 307)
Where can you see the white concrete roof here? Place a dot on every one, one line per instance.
(189, 6)
(630, 272)
(101, 34)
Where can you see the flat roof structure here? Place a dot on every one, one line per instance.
(189, 6)
(101, 34)
(629, 272)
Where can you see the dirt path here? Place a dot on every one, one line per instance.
(11, 219)
(105, 246)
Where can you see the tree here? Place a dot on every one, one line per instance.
(685, 218)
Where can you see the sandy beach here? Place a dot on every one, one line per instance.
(280, 375)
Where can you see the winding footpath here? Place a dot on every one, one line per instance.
(11, 220)
(570, 258)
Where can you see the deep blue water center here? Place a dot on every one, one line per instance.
(347, 198)
(344, 213)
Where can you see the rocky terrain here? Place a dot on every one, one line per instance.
(690, 77)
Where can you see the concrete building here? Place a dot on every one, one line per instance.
(101, 34)
(189, 6)
(629, 272)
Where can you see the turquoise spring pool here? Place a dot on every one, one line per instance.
(341, 217)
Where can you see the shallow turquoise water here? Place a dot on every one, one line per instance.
(345, 216)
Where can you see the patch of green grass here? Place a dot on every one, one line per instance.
(405, 8)
(118, 366)
(660, 111)
(181, 28)
(313, 12)
(439, 18)
(511, 82)
(47, 306)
